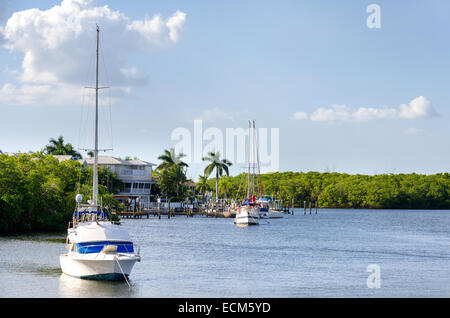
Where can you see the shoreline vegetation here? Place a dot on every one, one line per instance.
(37, 191)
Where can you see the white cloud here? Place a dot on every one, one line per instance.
(175, 24)
(157, 30)
(58, 45)
(419, 107)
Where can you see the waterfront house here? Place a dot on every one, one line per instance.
(62, 158)
(136, 176)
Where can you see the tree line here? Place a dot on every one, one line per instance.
(37, 192)
(329, 190)
(340, 190)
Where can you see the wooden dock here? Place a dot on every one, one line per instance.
(175, 212)
(212, 210)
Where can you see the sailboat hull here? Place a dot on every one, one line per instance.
(247, 216)
(94, 266)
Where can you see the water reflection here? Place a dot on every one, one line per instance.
(74, 287)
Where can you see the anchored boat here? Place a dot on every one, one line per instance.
(97, 248)
(248, 212)
(266, 211)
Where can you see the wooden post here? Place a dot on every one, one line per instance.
(292, 206)
(304, 207)
(316, 207)
(159, 210)
(309, 207)
(168, 210)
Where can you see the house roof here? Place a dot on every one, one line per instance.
(108, 160)
(62, 158)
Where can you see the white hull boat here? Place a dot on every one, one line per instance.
(247, 215)
(249, 212)
(275, 214)
(104, 267)
(99, 250)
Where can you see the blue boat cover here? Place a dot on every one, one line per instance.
(99, 213)
(96, 247)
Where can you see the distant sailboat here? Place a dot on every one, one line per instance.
(248, 212)
(96, 247)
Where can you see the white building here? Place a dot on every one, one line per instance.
(62, 158)
(136, 176)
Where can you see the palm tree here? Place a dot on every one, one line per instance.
(169, 158)
(172, 171)
(202, 185)
(179, 177)
(224, 186)
(57, 147)
(220, 165)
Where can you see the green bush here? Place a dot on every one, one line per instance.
(37, 192)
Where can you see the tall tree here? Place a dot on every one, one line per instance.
(170, 158)
(172, 172)
(220, 165)
(57, 147)
(202, 185)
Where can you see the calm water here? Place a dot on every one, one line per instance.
(324, 255)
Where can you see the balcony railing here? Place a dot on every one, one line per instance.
(134, 173)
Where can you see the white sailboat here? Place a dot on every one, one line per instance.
(97, 248)
(266, 211)
(248, 212)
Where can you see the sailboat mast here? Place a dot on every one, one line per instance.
(257, 159)
(249, 152)
(95, 177)
(253, 160)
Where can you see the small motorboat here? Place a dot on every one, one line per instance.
(97, 248)
(247, 215)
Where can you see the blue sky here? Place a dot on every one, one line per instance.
(231, 61)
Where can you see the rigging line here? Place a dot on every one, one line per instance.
(108, 83)
(85, 118)
(249, 153)
(82, 131)
(257, 160)
(90, 117)
(239, 189)
(242, 182)
(81, 120)
(253, 159)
